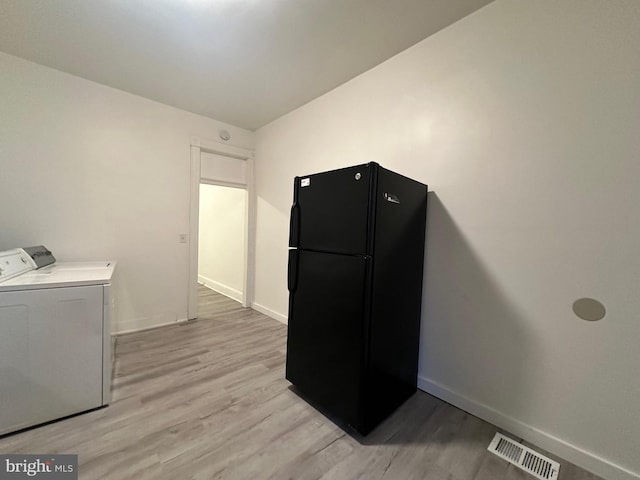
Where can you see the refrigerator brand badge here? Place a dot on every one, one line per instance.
(389, 197)
(305, 182)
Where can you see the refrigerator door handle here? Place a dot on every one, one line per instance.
(294, 235)
(292, 274)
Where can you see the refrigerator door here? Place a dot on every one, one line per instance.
(331, 211)
(327, 330)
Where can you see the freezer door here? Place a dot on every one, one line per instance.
(331, 211)
(326, 330)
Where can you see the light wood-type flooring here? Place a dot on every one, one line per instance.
(207, 399)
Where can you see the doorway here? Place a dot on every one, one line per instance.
(218, 165)
(221, 239)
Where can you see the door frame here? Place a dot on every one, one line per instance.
(199, 145)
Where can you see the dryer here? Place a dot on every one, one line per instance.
(55, 344)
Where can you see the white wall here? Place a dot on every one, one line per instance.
(221, 239)
(95, 173)
(523, 119)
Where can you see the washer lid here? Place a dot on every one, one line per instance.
(63, 274)
(13, 263)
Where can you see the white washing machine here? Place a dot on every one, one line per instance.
(55, 345)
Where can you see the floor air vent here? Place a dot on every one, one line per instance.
(523, 457)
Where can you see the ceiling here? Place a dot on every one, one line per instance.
(244, 62)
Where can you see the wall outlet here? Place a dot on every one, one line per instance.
(183, 238)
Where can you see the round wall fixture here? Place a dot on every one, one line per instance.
(589, 309)
(224, 135)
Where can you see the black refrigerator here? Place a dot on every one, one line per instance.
(356, 254)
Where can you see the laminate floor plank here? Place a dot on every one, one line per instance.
(207, 399)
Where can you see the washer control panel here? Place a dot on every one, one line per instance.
(14, 262)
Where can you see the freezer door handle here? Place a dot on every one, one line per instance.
(294, 227)
(292, 274)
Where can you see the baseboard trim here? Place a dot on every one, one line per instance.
(582, 458)
(221, 288)
(147, 327)
(270, 313)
